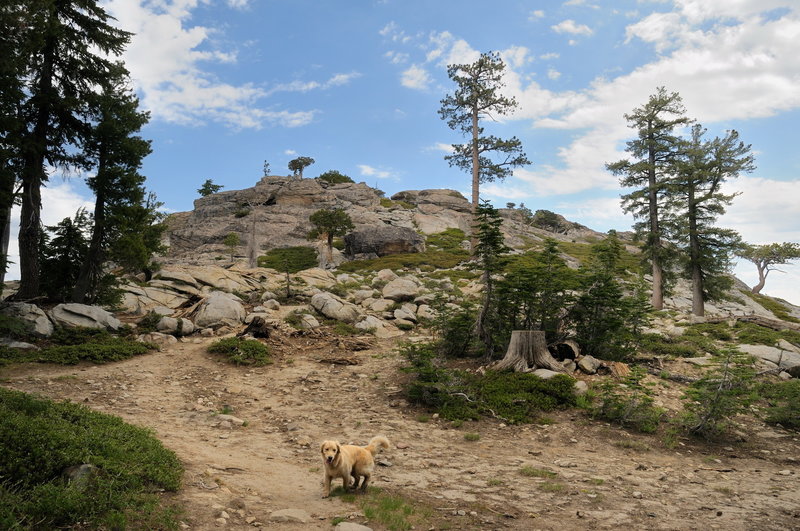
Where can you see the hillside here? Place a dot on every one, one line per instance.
(341, 340)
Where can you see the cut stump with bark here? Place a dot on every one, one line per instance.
(527, 350)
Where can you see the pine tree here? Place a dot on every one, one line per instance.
(66, 46)
(695, 202)
(654, 151)
(330, 223)
(490, 252)
(477, 97)
(117, 152)
(63, 255)
(607, 320)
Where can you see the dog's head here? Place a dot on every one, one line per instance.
(330, 451)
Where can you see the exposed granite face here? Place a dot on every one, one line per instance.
(277, 209)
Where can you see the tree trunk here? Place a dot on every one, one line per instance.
(528, 349)
(698, 307)
(476, 180)
(762, 279)
(657, 299)
(30, 227)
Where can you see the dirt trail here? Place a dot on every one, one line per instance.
(604, 477)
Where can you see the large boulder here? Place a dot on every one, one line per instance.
(34, 318)
(176, 326)
(383, 240)
(333, 307)
(81, 315)
(401, 289)
(219, 309)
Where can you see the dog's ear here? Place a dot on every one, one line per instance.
(338, 448)
(322, 447)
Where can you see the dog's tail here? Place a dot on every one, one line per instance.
(376, 443)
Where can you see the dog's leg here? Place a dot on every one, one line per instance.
(346, 479)
(365, 482)
(326, 486)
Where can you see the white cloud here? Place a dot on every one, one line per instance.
(516, 56)
(549, 56)
(441, 146)
(369, 171)
(580, 3)
(535, 15)
(59, 201)
(553, 74)
(396, 58)
(167, 58)
(305, 86)
(571, 27)
(238, 4)
(290, 152)
(415, 77)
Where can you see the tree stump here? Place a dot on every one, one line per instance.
(528, 350)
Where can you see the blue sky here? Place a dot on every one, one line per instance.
(356, 85)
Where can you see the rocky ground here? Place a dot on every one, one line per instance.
(260, 466)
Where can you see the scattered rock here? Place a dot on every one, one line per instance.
(290, 515)
(333, 307)
(401, 289)
(176, 326)
(351, 526)
(589, 364)
(158, 339)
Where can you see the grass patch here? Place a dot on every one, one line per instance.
(388, 203)
(495, 483)
(40, 439)
(533, 472)
(472, 437)
(550, 486)
(291, 259)
(583, 252)
(778, 310)
(629, 404)
(432, 259)
(753, 334)
(633, 445)
(240, 351)
(447, 240)
(345, 329)
(394, 512)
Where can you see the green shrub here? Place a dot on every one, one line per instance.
(345, 329)
(242, 212)
(73, 345)
(435, 259)
(719, 395)
(334, 177)
(783, 399)
(532, 472)
(149, 322)
(456, 394)
(388, 203)
(240, 351)
(448, 240)
(629, 405)
(15, 327)
(291, 259)
(39, 439)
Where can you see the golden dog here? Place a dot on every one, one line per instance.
(345, 461)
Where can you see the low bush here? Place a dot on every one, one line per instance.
(240, 351)
(629, 405)
(334, 177)
(783, 403)
(457, 394)
(291, 259)
(40, 439)
(11, 326)
(433, 258)
(778, 310)
(69, 346)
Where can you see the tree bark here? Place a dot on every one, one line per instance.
(762, 278)
(698, 306)
(476, 180)
(528, 350)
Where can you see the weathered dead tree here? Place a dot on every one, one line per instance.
(527, 350)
